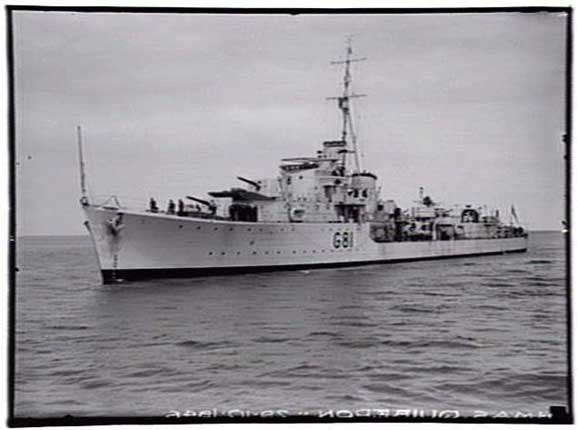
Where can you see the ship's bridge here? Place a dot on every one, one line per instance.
(332, 148)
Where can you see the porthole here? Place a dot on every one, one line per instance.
(254, 252)
(266, 252)
(294, 252)
(278, 252)
(180, 226)
(211, 253)
(314, 251)
(199, 227)
(249, 229)
(238, 252)
(216, 228)
(223, 253)
(230, 228)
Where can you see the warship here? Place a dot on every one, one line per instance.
(322, 211)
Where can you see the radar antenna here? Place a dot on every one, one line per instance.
(343, 102)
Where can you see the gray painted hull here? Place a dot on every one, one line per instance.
(148, 245)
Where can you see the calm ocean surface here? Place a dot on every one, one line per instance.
(474, 334)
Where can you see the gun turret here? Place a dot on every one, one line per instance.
(250, 182)
(204, 202)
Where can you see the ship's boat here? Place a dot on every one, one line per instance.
(321, 211)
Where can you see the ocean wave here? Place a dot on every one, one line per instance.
(415, 308)
(96, 383)
(324, 334)
(206, 345)
(269, 339)
(358, 344)
(359, 324)
(442, 344)
(68, 327)
(498, 284)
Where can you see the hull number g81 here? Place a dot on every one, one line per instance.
(343, 239)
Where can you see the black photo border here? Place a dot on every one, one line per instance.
(559, 415)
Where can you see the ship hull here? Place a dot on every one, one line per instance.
(136, 246)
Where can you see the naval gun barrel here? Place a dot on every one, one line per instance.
(250, 182)
(204, 202)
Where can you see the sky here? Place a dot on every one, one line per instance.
(469, 106)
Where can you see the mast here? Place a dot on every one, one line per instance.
(84, 197)
(343, 102)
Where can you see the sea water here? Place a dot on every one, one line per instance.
(473, 336)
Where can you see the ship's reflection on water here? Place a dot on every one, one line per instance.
(466, 334)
